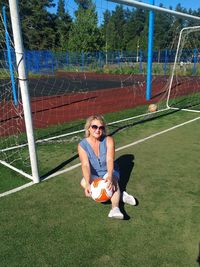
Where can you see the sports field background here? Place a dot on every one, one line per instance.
(53, 224)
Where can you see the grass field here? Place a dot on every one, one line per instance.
(53, 224)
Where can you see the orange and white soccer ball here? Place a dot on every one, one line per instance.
(152, 107)
(99, 190)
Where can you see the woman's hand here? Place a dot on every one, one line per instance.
(87, 190)
(111, 185)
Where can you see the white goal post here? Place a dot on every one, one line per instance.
(36, 105)
(23, 82)
(181, 67)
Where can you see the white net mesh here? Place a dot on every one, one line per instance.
(67, 86)
(11, 110)
(184, 89)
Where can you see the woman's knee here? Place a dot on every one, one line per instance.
(83, 183)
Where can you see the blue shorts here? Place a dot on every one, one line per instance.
(115, 175)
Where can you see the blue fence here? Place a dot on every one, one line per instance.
(48, 61)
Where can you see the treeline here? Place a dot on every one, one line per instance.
(121, 29)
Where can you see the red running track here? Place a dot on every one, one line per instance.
(53, 110)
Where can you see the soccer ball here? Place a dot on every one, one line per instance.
(99, 190)
(152, 107)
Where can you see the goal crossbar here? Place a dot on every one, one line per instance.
(23, 78)
(155, 8)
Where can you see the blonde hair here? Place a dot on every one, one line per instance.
(89, 120)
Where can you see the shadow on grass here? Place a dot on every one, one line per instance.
(59, 167)
(126, 165)
(121, 161)
(151, 117)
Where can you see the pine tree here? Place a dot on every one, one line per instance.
(63, 24)
(162, 38)
(85, 34)
(38, 26)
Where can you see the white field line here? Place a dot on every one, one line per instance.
(118, 149)
(63, 171)
(16, 189)
(16, 170)
(79, 131)
(156, 134)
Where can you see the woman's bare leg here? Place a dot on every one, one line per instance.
(116, 197)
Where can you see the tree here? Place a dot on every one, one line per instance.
(84, 4)
(38, 25)
(3, 3)
(113, 28)
(119, 24)
(104, 31)
(85, 34)
(162, 38)
(63, 24)
(134, 31)
(2, 32)
(108, 31)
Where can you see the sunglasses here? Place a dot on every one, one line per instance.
(95, 127)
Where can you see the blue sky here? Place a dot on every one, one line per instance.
(194, 4)
(102, 4)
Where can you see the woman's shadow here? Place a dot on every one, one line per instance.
(126, 165)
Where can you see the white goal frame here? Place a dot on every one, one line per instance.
(19, 50)
(174, 67)
(23, 82)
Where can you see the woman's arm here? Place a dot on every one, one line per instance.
(85, 168)
(110, 157)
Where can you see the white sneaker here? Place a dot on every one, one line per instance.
(128, 199)
(116, 214)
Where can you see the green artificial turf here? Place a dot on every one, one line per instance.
(53, 224)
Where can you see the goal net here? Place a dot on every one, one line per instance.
(12, 125)
(66, 85)
(184, 87)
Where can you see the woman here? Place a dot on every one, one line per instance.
(96, 153)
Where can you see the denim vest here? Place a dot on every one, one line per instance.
(98, 165)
